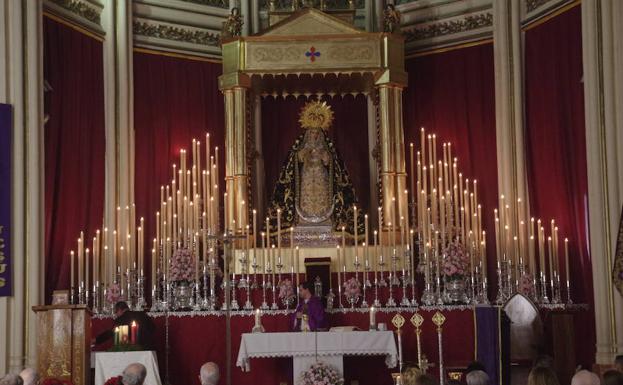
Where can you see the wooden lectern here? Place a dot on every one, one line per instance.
(64, 342)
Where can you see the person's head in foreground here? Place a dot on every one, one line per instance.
(542, 376)
(424, 379)
(613, 377)
(584, 377)
(29, 376)
(11, 379)
(618, 363)
(209, 374)
(477, 377)
(120, 308)
(305, 290)
(134, 374)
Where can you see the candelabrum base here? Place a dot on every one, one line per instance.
(364, 303)
(377, 303)
(391, 302)
(428, 298)
(264, 306)
(197, 306)
(242, 283)
(405, 302)
(414, 302)
(274, 306)
(248, 305)
(234, 305)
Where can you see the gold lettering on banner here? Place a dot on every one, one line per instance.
(3, 268)
(348, 53)
(2, 282)
(277, 54)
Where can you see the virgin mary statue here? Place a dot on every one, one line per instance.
(314, 188)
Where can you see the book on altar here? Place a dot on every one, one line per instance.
(344, 329)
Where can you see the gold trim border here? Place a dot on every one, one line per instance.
(551, 15)
(73, 26)
(176, 55)
(449, 48)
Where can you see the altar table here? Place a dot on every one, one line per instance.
(329, 347)
(112, 364)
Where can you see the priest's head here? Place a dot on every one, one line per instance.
(209, 374)
(305, 290)
(120, 308)
(134, 374)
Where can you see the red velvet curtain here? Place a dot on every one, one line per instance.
(175, 101)
(74, 145)
(556, 144)
(349, 132)
(452, 94)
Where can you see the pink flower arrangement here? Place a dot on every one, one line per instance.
(286, 291)
(182, 266)
(456, 263)
(320, 374)
(526, 285)
(352, 288)
(113, 294)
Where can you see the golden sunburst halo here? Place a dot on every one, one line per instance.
(316, 115)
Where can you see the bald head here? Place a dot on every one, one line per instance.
(30, 376)
(584, 377)
(134, 374)
(209, 374)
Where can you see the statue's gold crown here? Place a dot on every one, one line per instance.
(316, 115)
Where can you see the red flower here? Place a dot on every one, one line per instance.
(113, 381)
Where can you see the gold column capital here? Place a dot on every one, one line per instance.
(233, 80)
(391, 78)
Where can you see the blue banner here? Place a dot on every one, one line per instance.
(5, 200)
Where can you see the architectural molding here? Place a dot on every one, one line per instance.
(436, 24)
(83, 13)
(170, 32)
(468, 23)
(180, 26)
(534, 11)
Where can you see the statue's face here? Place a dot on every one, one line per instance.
(313, 135)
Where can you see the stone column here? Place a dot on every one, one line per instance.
(507, 52)
(21, 85)
(119, 113)
(603, 100)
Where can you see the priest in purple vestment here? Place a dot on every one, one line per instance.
(310, 306)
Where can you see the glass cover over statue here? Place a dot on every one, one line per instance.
(314, 188)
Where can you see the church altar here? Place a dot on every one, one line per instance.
(306, 348)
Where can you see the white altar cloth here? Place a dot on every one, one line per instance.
(111, 364)
(328, 346)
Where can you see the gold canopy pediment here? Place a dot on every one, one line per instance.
(311, 21)
(305, 54)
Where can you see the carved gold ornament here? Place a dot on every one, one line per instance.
(316, 115)
(398, 321)
(417, 320)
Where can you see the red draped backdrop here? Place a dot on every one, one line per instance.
(452, 94)
(176, 100)
(74, 145)
(280, 128)
(556, 145)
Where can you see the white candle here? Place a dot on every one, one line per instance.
(372, 317)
